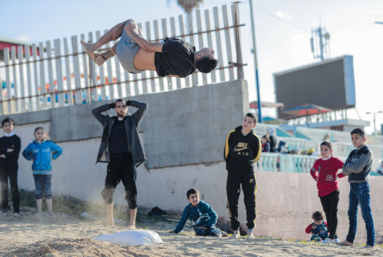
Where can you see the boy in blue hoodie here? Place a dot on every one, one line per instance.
(41, 151)
(201, 215)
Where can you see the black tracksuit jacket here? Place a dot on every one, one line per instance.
(241, 152)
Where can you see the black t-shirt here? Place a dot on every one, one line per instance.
(118, 142)
(177, 58)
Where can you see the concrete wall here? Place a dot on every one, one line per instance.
(181, 127)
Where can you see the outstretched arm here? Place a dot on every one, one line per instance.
(143, 43)
(181, 223)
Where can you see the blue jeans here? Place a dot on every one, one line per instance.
(204, 231)
(43, 185)
(360, 194)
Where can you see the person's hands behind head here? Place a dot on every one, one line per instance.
(128, 103)
(112, 105)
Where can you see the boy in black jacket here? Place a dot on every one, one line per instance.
(9, 155)
(243, 148)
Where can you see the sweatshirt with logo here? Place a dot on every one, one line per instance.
(325, 172)
(41, 153)
(242, 151)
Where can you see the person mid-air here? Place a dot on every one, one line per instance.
(173, 57)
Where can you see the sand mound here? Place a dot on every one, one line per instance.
(78, 247)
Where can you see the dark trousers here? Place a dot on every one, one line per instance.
(204, 231)
(43, 185)
(121, 169)
(330, 207)
(12, 175)
(360, 195)
(233, 190)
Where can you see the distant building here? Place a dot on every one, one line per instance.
(9, 42)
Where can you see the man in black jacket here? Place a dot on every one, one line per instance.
(122, 149)
(242, 149)
(9, 154)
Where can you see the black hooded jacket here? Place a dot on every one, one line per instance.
(131, 127)
(241, 152)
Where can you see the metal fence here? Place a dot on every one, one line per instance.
(57, 74)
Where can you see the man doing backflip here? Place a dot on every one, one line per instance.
(173, 57)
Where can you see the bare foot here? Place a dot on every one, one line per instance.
(250, 235)
(224, 234)
(132, 227)
(235, 235)
(88, 47)
(346, 243)
(51, 214)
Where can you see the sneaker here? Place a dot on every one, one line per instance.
(346, 243)
(16, 215)
(336, 241)
(327, 241)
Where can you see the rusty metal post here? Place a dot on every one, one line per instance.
(238, 41)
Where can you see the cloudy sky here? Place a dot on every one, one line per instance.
(283, 31)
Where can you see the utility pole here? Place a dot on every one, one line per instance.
(374, 113)
(256, 65)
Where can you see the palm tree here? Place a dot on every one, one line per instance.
(188, 5)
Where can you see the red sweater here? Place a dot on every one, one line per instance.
(325, 172)
(310, 228)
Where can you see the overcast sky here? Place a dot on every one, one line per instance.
(282, 30)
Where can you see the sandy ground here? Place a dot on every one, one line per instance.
(65, 235)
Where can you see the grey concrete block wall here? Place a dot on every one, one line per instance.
(186, 126)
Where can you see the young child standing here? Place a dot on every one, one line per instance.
(242, 149)
(10, 146)
(201, 215)
(358, 168)
(40, 152)
(318, 228)
(325, 173)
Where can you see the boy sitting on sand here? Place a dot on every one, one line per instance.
(318, 229)
(201, 215)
